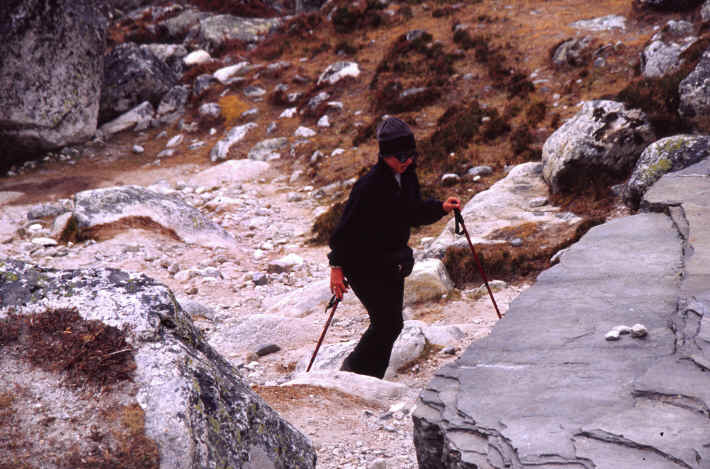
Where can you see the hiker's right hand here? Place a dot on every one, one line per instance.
(337, 282)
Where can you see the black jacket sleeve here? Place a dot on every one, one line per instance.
(345, 236)
(425, 212)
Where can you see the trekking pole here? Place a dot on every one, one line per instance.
(461, 229)
(333, 303)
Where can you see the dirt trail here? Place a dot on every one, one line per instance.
(347, 431)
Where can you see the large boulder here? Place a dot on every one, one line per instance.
(137, 207)
(132, 75)
(120, 377)
(661, 157)
(51, 61)
(510, 224)
(695, 95)
(662, 58)
(545, 389)
(216, 31)
(604, 139)
(171, 54)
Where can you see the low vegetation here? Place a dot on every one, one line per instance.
(92, 359)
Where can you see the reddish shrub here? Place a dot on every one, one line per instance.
(195, 71)
(247, 8)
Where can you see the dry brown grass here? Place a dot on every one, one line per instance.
(232, 108)
(92, 359)
(513, 263)
(61, 341)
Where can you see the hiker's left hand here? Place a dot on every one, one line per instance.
(451, 203)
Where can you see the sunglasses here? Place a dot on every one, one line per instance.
(405, 156)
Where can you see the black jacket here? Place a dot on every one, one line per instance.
(374, 228)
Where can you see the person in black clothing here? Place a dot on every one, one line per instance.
(369, 244)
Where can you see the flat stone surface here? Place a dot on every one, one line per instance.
(689, 189)
(545, 388)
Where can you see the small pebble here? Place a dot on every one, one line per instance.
(638, 331)
(612, 335)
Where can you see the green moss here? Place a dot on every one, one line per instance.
(9, 276)
(674, 145)
(660, 167)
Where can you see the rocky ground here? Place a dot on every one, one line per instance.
(271, 219)
(271, 215)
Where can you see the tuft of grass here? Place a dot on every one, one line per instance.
(232, 108)
(325, 224)
(351, 17)
(455, 129)
(246, 8)
(505, 262)
(536, 112)
(60, 340)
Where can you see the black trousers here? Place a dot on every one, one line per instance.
(381, 291)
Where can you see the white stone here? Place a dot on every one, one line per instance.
(337, 71)
(304, 132)
(409, 346)
(613, 334)
(196, 58)
(285, 264)
(235, 135)
(324, 121)
(138, 149)
(288, 113)
(223, 75)
(137, 118)
(428, 281)
(443, 335)
(44, 241)
(175, 141)
(603, 23)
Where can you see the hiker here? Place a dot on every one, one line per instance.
(369, 244)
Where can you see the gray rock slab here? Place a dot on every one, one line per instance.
(545, 388)
(198, 410)
(689, 191)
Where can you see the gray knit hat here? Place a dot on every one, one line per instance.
(395, 138)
